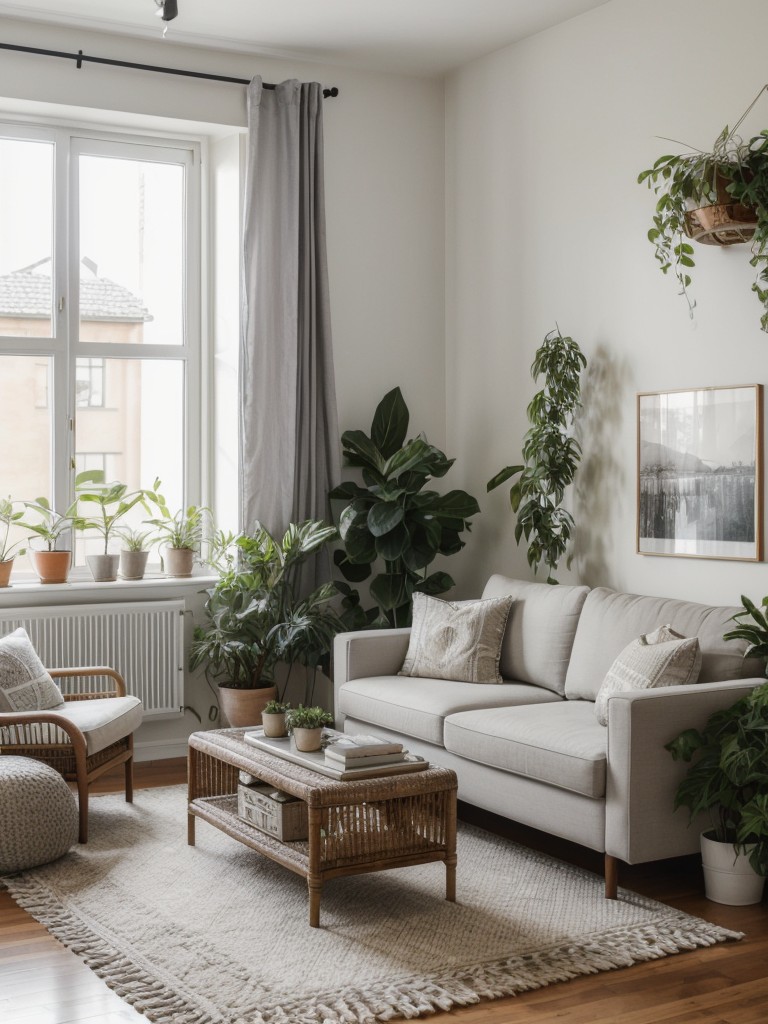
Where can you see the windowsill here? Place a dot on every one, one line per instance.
(150, 585)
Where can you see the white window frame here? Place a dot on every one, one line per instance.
(64, 347)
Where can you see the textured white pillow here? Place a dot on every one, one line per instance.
(24, 683)
(661, 658)
(456, 640)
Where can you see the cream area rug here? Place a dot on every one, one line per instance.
(217, 934)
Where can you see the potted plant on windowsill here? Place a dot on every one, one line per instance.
(11, 517)
(182, 533)
(305, 726)
(134, 553)
(112, 503)
(728, 779)
(254, 618)
(51, 563)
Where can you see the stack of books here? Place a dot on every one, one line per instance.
(354, 751)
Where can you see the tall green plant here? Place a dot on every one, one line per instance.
(551, 455)
(393, 521)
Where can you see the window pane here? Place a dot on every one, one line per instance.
(135, 435)
(26, 232)
(25, 430)
(131, 251)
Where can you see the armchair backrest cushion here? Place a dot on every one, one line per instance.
(540, 630)
(25, 685)
(611, 620)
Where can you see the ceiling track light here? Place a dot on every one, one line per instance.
(167, 9)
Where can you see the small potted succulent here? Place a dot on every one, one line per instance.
(305, 726)
(273, 717)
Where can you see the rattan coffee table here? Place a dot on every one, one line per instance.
(354, 827)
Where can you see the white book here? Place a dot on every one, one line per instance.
(340, 759)
(352, 745)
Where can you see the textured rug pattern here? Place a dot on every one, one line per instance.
(216, 934)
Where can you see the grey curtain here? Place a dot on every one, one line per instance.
(289, 436)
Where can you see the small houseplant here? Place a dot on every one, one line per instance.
(305, 725)
(728, 779)
(11, 517)
(273, 717)
(255, 618)
(181, 531)
(718, 197)
(551, 455)
(393, 519)
(134, 552)
(51, 563)
(109, 502)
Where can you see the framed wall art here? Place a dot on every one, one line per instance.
(700, 472)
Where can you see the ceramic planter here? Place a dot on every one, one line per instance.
(133, 564)
(242, 708)
(5, 572)
(103, 567)
(728, 876)
(308, 739)
(274, 723)
(51, 566)
(178, 562)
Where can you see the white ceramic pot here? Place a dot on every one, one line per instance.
(308, 739)
(178, 561)
(728, 876)
(274, 723)
(103, 567)
(133, 564)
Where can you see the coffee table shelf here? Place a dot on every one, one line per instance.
(354, 827)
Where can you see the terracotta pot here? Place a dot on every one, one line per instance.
(178, 562)
(5, 572)
(51, 566)
(133, 564)
(308, 739)
(274, 723)
(242, 708)
(728, 876)
(103, 567)
(724, 222)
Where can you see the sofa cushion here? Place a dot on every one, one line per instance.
(561, 744)
(540, 630)
(418, 707)
(25, 685)
(610, 620)
(459, 641)
(662, 658)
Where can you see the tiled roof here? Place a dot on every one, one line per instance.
(27, 293)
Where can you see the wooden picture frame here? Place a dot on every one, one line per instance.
(700, 472)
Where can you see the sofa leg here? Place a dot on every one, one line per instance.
(611, 877)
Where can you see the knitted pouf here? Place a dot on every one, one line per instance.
(38, 814)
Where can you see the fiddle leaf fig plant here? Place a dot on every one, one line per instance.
(551, 455)
(393, 520)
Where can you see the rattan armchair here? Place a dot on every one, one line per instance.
(86, 737)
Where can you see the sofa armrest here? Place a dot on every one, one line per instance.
(642, 778)
(367, 652)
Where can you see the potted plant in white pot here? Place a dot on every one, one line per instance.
(112, 502)
(255, 619)
(11, 517)
(274, 717)
(134, 552)
(181, 534)
(728, 779)
(305, 726)
(51, 563)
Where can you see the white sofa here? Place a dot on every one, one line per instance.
(531, 748)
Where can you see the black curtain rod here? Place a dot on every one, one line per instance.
(81, 57)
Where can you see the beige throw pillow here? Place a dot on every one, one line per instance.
(24, 683)
(661, 658)
(456, 640)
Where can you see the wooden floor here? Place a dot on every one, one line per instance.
(41, 982)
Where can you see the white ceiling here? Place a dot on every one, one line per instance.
(422, 37)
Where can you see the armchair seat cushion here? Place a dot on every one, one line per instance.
(103, 721)
(418, 708)
(563, 745)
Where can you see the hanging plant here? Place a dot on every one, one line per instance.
(716, 198)
(551, 455)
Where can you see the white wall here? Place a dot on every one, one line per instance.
(545, 223)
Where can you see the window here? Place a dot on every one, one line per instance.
(99, 312)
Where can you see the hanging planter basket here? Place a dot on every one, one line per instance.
(724, 222)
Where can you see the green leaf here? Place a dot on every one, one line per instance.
(390, 590)
(355, 572)
(360, 450)
(390, 423)
(436, 583)
(383, 517)
(456, 505)
(502, 476)
(391, 546)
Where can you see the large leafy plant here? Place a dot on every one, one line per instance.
(102, 505)
(728, 777)
(254, 615)
(393, 524)
(551, 455)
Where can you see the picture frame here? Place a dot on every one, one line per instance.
(700, 472)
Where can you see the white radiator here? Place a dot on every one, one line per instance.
(144, 641)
